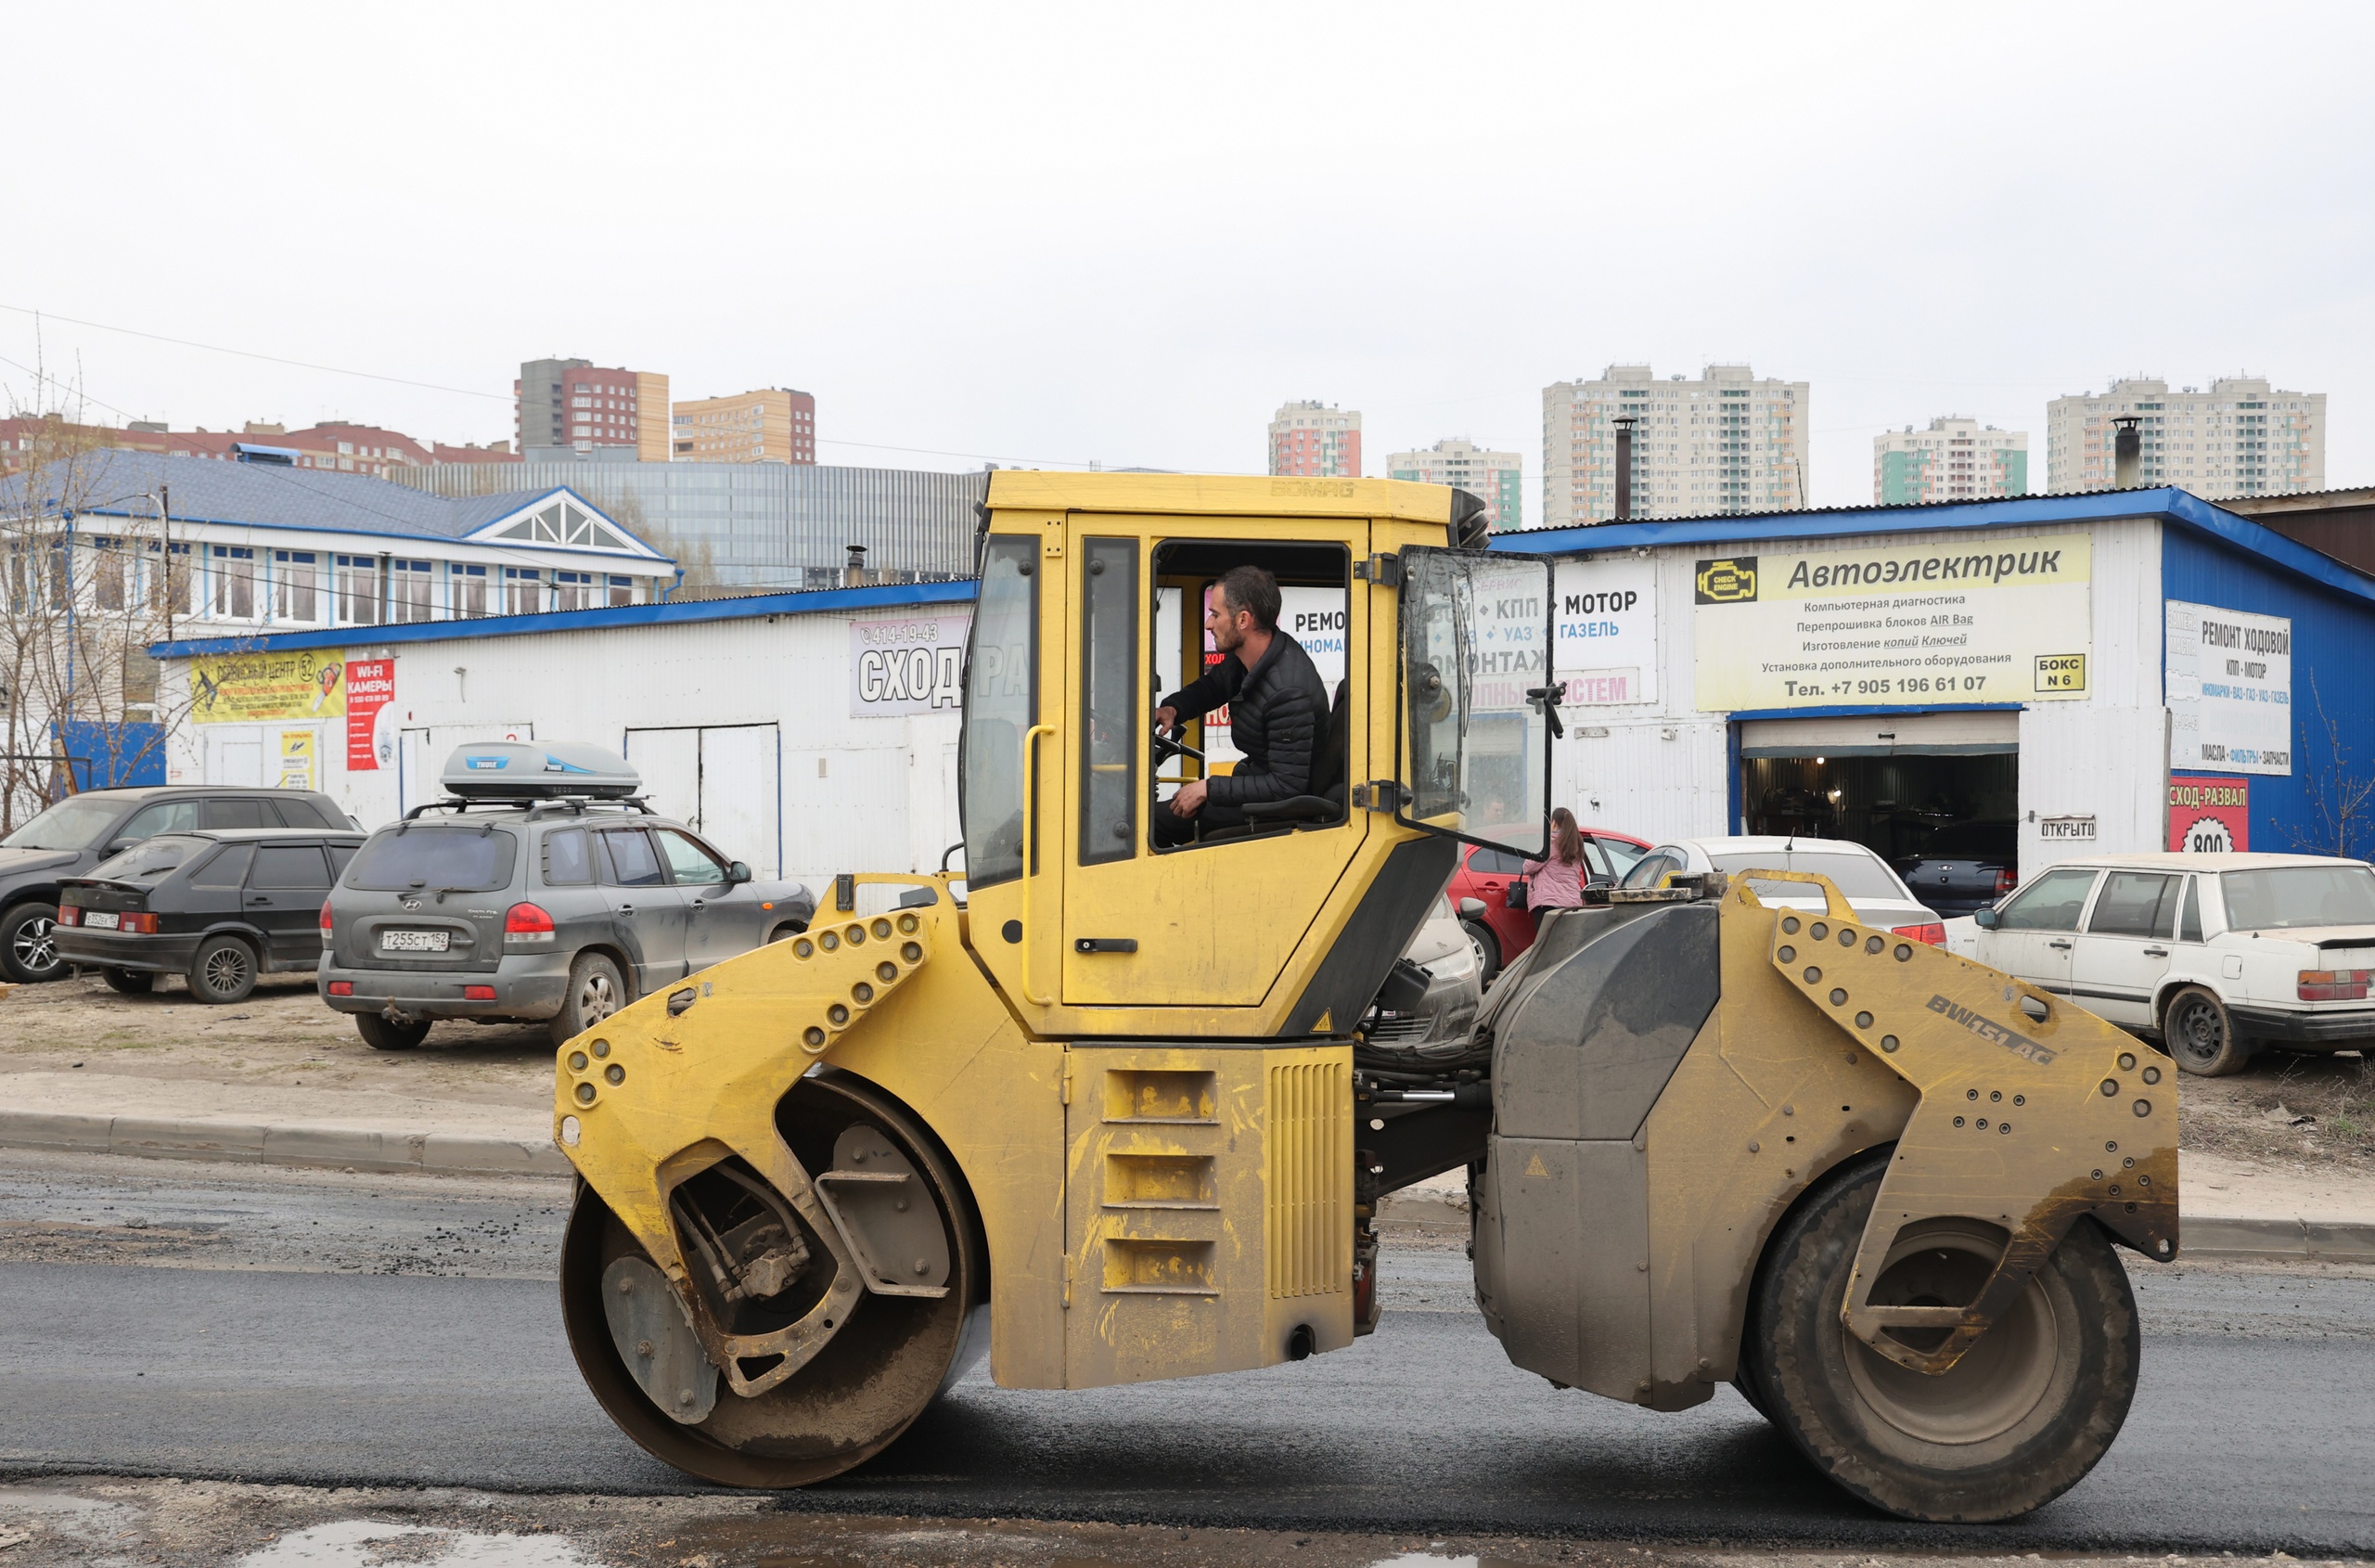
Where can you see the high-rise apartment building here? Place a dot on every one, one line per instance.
(2243, 437)
(1725, 443)
(1316, 439)
(1499, 477)
(583, 407)
(1954, 459)
(773, 425)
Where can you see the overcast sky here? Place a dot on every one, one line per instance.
(1043, 234)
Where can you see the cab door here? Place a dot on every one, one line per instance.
(1212, 923)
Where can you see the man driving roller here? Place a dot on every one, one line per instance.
(1277, 704)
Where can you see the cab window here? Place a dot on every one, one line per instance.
(238, 812)
(289, 866)
(1001, 706)
(1109, 688)
(228, 868)
(2051, 903)
(1495, 863)
(568, 858)
(165, 816)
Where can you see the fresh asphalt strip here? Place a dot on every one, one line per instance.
(2249, 1432)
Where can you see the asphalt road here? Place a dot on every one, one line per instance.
(2251, 1432)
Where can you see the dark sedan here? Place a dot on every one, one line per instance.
(1965, 866)
(220, 908)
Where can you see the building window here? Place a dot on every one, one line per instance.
(293, 585)
(572, 590)
(470, 590)
(523, 591)
(357, 591)
(622, 590)
(169, 581)
(108, 571)
(408, 590)
(235, 583)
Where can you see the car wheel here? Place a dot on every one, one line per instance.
(29, 943)
(382, 1034)
(789, 928)
(1486, 947)
(2200, 1034)
(596, 991)
(223, 971)
(132, 982)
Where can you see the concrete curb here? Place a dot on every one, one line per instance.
(363, 1149)
(1435, 1214)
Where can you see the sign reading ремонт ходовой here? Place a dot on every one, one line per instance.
(1895, 625)
(908, 664)
(2228, 679)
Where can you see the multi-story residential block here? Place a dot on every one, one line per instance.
(1499, 477)
(772, 425)
(1954, 459)
(1725, 443)
(1317, 440)
(577, 405)
(2243, 437)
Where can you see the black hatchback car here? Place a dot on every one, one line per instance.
(220, 908)
(1965, 866)
(73, 836)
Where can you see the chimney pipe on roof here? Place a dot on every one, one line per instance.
(853, 576)
(2127, 453)
(1623, 423)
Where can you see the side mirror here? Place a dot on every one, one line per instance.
(1471, 909)
(1986, 920)
(738, 873)
(117, 846)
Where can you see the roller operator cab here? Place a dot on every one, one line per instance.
(1126, 1113)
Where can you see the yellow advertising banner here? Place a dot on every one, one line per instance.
(1895, 625)
(258, 687)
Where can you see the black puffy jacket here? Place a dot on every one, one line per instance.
(1275, 712)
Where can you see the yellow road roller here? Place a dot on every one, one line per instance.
(1108, 1108)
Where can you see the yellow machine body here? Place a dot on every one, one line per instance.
(1140, 1064)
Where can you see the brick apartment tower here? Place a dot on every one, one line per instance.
(576, 404)
(1317, 441)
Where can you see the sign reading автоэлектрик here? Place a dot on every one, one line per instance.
(1891, 624)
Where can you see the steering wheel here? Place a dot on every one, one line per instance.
(1167, 745)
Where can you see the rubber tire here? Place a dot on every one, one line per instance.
(784, 931)
(1488, 950)
(580, 1005)
(236, 965)
(1798, 1352)
(2214, 1050)
(130, 982)
(383, 1036)
(13, 930)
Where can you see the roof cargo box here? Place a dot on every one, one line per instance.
(519, 770)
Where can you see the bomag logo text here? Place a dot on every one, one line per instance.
(1729, 581)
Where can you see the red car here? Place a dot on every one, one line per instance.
(1500, 932)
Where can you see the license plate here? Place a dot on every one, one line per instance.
(413, 940)
(103, 920)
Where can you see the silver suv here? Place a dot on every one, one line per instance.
(533, 910)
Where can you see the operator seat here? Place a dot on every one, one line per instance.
(1328, 762)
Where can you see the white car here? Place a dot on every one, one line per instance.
(2213, 953)
(1879, 895)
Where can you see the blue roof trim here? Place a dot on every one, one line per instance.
(682, 612)
(2167, 504)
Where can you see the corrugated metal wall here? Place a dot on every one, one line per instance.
(2334, 698)
(763, 525)
(857, 794)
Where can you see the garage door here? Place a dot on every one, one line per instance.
(1892, 782)
(722, 780)
(1969, 735)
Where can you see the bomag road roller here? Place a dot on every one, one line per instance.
(1110, 1110)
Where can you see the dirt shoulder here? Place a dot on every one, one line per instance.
(2285, 1110)
(279, 1051)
